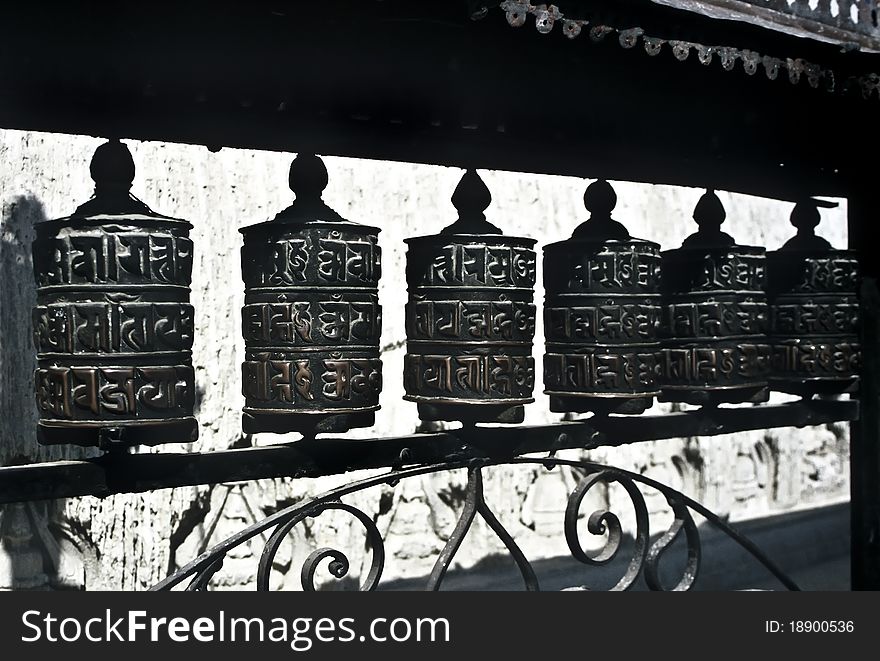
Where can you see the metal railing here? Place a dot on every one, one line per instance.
(644, 557)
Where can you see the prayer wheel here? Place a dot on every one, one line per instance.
(814, 311)
(714, 346)
(470, 317)
(311, 319)
(601, 315)
(113, 326)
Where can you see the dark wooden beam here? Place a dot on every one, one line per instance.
(132, 473)
(865, 433)
(420, 82)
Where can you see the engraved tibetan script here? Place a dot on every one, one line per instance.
(113, 258)
(478, 265)
(104, 327)
(485, 376)
(107, 392)
(471, 320)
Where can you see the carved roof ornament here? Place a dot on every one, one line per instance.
(600, 200)
(307, 179)
(847, 23)
(805, 217)
(709, 214)
(471, 198)
(112, 170)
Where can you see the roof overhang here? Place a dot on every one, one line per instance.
(852, 24)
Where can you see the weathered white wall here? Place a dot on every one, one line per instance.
(132, 541)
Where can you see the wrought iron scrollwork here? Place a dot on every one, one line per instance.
(339, 563)
(683, 520)
(200, 582)
(476, 503)
(644, 560)
(601, 522)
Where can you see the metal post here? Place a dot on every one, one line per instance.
(864, 433)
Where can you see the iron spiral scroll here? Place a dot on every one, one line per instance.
(644, 559)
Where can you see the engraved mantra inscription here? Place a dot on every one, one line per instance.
(733, 272)
(122, 258)
(474, 265)
(101, 392)
(482, 376)
(601, 370)
(714, 321)
(302, 323)
(816, 359)
(333, 260)
(470, 320)
(613, 270)
(470, 347)
(715, 272)
(814, 319)
(716, 318)
(601, 319)
(602, 323)
(829, 275)
(716, 365)
(312, 341)
(335, 381)
(113, 328)
(799, 316)
(95, 327)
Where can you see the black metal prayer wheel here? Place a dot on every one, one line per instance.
(470, 318)
(814, 311)
(113, 326)
(311, 319)
(713, 327)
(601, 315)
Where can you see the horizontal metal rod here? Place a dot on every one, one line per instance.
(132, 473)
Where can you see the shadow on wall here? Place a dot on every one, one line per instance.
(811, 546)
(18, 295)
(18, 441)
(36, 552)
(33, 555)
